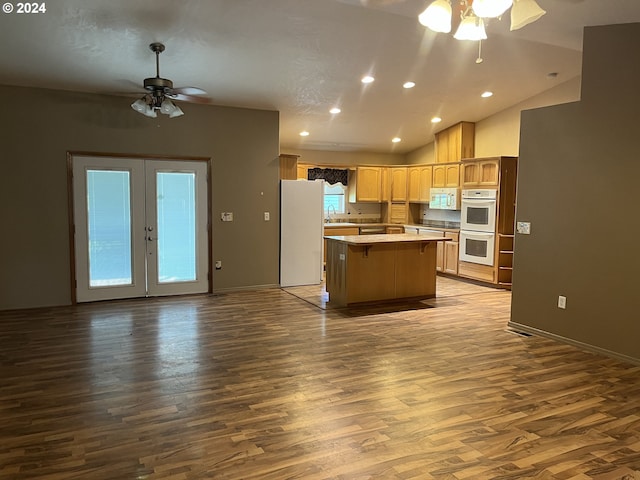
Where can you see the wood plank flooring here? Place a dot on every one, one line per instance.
(270, 385)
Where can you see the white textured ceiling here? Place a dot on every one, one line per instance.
(302, 57)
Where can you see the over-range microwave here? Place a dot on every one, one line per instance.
(444, 199)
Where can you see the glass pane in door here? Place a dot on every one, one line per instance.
(176, 225)
(109, 227)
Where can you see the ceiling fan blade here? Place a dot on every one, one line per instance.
(188, 98)
(189, 91)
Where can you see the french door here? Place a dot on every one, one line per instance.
(140, 227)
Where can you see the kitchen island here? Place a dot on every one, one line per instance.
(372, 268)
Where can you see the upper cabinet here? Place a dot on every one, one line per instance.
(419, 183)
(365, 185)
(398, 177)
(480, 173)
(289, 167)
(455, 143)
(446, 176)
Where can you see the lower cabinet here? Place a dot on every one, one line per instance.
(447, 256)
(451, 254)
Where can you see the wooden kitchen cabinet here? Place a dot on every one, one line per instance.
(419, 180)
(398, 213)
(446, 176)
(480, 173)
(288, 167)
(365, 185)
(398, 176)
(302, 171)
(385, 194)
(451, 255)
(447, 254)
(455, 143)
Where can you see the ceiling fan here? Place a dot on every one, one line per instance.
(160, 92)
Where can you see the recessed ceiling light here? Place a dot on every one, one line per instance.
(409, 84)
(367, 79)
(304, 133)
(396, 139)
(486, 94)
(335, 110)
(436, 120)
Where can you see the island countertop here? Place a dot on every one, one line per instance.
(385, 238)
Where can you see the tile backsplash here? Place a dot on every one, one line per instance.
(446, 216)
(358, 213)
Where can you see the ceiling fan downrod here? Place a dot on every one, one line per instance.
(157, 84)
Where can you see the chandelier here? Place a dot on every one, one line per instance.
(474, 13)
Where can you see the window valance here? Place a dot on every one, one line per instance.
(329, 175)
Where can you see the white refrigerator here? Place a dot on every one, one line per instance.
(301, 232)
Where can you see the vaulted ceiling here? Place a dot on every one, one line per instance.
(302, 57)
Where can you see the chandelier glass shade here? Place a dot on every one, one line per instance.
(437, 16)
(471, 28)
(490, 8)
(524, 12)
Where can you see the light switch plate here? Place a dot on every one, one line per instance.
(524, 228)
(226, 216)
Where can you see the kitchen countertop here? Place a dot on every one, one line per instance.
(385, 238)
(354, 224)
(450, 225)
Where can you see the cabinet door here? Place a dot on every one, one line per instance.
(385, 194)
(368, 187)
(398, 184)
(451, 257)
(452, 176)
(439, 176)
(470, 174)
(489, 173)
(442, 146)
(425, 184)
(413, 183)
(440, 257)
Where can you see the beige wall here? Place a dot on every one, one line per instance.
(577, 185)
(39, 127)
(499, 135)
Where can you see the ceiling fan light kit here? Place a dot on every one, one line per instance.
(438, 15)
(471, 28)
(490, 8)
(525, 12)
(160, 91)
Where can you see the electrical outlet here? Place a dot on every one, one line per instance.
(562, 302)
(218, 264)
(226, 216)
(267, 217)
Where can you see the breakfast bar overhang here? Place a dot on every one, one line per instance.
(387, 267)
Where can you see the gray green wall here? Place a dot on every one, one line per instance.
(578, 186)
(40, 126)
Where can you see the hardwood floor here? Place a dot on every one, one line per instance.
(269, 385)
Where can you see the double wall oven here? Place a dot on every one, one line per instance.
(478, 226)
